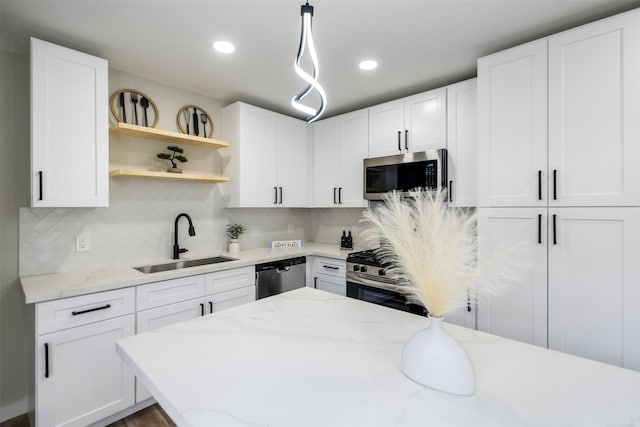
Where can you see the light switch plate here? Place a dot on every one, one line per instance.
(83, 243)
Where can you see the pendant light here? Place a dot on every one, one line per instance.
(306, 38)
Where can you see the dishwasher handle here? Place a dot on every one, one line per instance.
(281, 265)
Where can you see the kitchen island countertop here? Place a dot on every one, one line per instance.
(307, 358)
(45, 287)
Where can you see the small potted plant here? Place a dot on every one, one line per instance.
(173, 158)
(234, 231)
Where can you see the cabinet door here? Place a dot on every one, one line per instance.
(292, 164)
(165, 316)
(327, 145)
(355, 137)
(79, 377)
(333, 284)
(257, 157)
(594, 111)
(594, 286)
(462, 143)
(520, 311)
(230, 299)
(512, 127)
(386, 129)
(425, 121)
(69, 128)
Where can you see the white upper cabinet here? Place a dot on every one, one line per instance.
(512, 127)
(594, 283)
(412, 124)
(462, 167)
(69, 128)
(267, 161)
(340, 146)
(594, 114)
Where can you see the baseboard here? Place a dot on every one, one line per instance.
(14, 409)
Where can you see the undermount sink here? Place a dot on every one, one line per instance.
(182, 264)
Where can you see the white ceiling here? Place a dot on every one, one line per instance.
(419, 44)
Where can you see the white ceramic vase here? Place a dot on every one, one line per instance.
(234, 246)
(435, 359)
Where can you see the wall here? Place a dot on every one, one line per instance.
(16, 319)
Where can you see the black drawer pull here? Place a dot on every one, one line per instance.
(555, 192)
(315, 283)
(46, 360)
(340, 195)
(210, 306)
(275, 197)
(201, 309)
(451, 191)
(89, 310)
(331, 267)
(539, 185)
(555, 241)
(539, 229)
(334, 195)
(40, 184)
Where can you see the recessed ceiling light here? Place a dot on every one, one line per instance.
(223, 46)
(369, 64)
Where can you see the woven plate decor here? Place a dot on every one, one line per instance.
(116, 110)
(185, 121)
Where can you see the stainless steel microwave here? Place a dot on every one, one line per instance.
(426, 170)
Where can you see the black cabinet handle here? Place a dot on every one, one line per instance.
(334, 195)
(539, 229)
(340, 195)
(201, 309)
(539, 185)
(331, 267)
(399, 144)
(89, 310)
(406, 139)
(46, 360)
(555, 195)
(315, 282)
(275, 197)
(555, 241)
(40, 184)
(280, 194)
(451, 191)
(210, 307)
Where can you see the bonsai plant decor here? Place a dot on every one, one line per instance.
(431, 250)
(234, 231)
(173, 158)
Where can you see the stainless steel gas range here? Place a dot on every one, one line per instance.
(367, 280)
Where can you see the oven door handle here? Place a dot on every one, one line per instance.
(374, 283)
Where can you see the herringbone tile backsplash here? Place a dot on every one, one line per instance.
(137, 227)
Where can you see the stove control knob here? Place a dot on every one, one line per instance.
(356, 268)
(363, 269)
(381, 272)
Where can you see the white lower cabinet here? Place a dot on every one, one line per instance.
(79, 377)
(581, 272)
(520, 311)
(229, 299)
(329, 275)
(594, 284)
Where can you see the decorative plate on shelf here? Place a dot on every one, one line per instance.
(193, 120)
(134, 107)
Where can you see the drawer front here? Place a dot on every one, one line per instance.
(169, 291)
(71, 312)
(333, 284)
(223, 300)
(329, 266)
(228, 280)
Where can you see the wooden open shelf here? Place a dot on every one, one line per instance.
(194, 177)
(127, 129)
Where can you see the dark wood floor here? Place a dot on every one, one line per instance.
(151, 416)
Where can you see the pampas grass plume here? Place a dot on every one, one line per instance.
(431, 250)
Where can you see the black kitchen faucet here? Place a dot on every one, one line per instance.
(177, 250)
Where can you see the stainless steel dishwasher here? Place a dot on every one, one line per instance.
(280, 276)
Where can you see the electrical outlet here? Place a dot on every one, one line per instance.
(290, 228)
(83, 243)
(255, 231)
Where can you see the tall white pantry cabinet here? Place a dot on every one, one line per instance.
(558, 142)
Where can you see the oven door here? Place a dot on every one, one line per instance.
(384, 296)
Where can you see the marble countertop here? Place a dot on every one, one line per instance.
(308, 358)
(45, 287)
